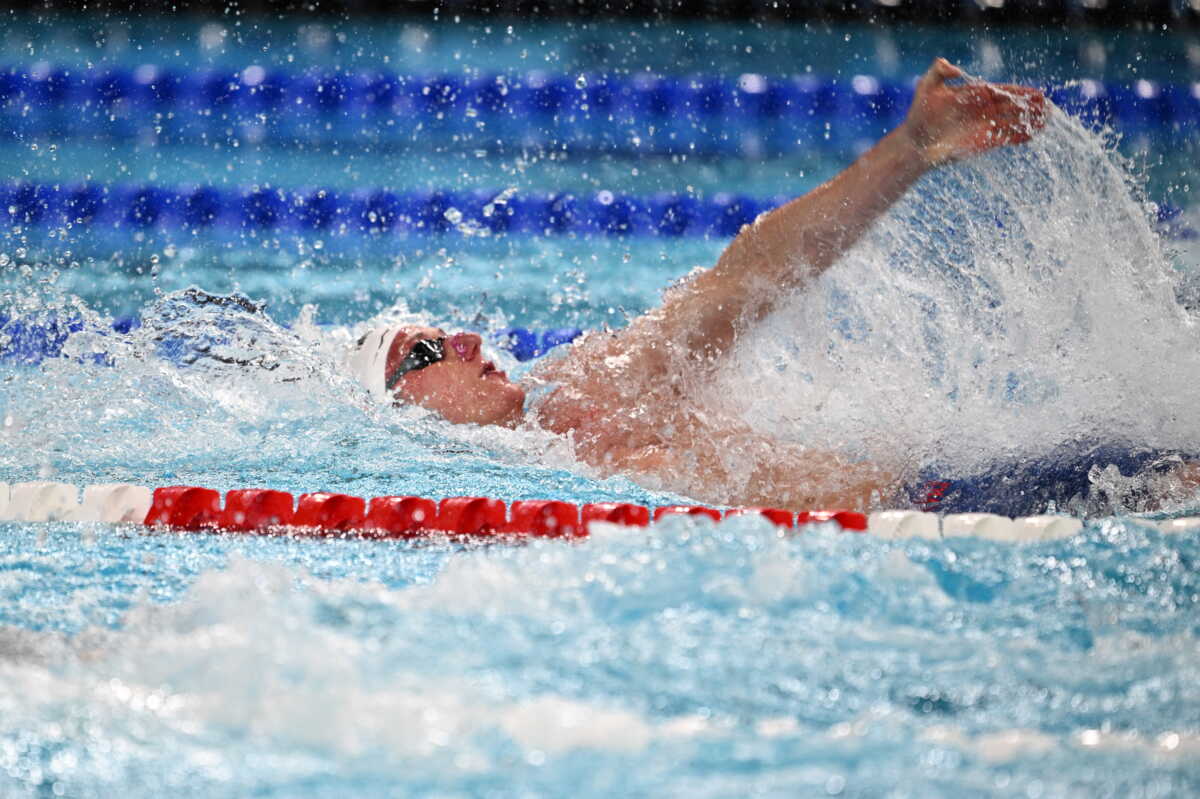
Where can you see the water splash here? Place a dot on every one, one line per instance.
(212, 390)
(1006, 307)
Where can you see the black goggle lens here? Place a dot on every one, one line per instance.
(425, 352)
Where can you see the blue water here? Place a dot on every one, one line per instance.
(690, 659)
(687, 659)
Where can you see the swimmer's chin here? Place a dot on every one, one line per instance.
(510, 421)
(513, 421)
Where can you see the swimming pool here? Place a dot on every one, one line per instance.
(692, 658)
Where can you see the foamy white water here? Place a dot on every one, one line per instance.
(1005, 306)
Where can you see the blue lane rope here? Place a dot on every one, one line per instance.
(373, 211)
(383, 212)
(30, 341)
(752, 114)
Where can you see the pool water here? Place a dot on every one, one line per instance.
(1006, 308)
(691, 659)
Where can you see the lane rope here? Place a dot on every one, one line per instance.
(381, 212)
(375, 211)
(752, 114)
(332, 515)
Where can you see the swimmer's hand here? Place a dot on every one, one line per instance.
(947, 123)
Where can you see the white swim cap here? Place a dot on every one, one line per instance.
(369, 359)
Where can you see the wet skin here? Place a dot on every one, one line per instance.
(628, 400)
(464, 386)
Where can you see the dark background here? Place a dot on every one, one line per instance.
(1137, 13)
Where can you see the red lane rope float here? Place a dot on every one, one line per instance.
(615, 513)
(784, 518)
(401, 517)
(848, 519)
(185, 507)
(255, 508)
(324, 514)
(545, 518)
(686, 510)
(470, 516)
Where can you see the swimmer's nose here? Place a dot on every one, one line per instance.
(466, 345)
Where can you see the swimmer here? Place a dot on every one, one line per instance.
(629, 400)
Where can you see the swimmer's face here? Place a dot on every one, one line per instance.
(463, 386)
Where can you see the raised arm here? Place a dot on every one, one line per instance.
(788, 247)
(793, 244)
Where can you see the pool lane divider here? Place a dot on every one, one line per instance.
(379, 211)
(331, 515)
(374, 211)
(750, 114)
(324, 514)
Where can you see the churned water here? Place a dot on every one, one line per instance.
(1003, 309)
(690, 659)
(1007, 308)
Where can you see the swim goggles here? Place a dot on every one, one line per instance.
(425, 352)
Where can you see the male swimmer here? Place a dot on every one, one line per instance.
(628, 400)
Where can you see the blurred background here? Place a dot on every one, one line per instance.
(240, 145)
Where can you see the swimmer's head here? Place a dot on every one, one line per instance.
(448, 374)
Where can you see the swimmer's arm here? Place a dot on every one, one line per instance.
(780, 252)
(790, 246)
